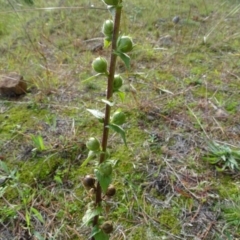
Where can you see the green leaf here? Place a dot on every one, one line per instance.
(2, 190)
(98, 234)
(101, 236)
(125, 58)
(96, 113)
(220, 169)
(90, 214)
(29, 2)
(108, 102)
(91, 155)
(104, 181)
(38, 235)
(4, 167)
(121, 95)
(58, 179)
(38, 142)
(27, 218)
(37, 214)
(107, 43)
(95, 230)
(93, 77)
(119, 130)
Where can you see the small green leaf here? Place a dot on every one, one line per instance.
(38, 142)
(29, 2)
(99, 234)
(38, 235)
(108, 102)
(95, 230)
(104, 181)
(90, 214)
(91, 155)
(92, 77)
(220, 169)
(4, 167)
(125, 58)
(58, 179)
(121, 95)
(37, 214)
(119, 130)
(27, 218)
(96, 113)
(3, 190)
(107, 43)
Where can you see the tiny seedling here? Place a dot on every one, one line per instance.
(38, 143)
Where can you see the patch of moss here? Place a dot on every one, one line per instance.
(232, 106)
(143, 232)
(170, 221)
(165, 76)
(227, 188)
(19, 117)
(40, 169)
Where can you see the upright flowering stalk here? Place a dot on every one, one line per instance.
(99, 184)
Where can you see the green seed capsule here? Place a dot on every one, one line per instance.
(107, 28)
(105, 169)
(117, 82)
(124, 44)
(118, 118)
(93, 144)
(99, 65)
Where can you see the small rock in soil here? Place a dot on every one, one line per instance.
(166, 41)
(12, 84)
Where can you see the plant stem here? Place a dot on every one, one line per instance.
(112, 66)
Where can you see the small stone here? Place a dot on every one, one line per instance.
(12, 84)
(176, 19)
(166, 41)
(221, 114)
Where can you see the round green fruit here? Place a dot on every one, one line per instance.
(93, 144)
(107, 28)
(117, 82)
(111, 2)
(124, 44)
(118, 118)
(99, 65)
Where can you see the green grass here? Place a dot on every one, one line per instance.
(165, 189)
